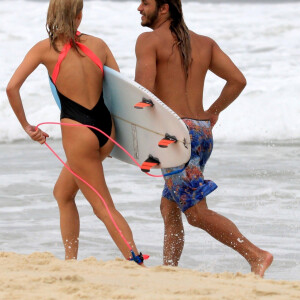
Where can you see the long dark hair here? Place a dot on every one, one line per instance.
(180, 30)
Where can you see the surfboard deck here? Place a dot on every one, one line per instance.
(140, 130)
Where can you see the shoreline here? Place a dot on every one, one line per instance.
(40, 275)
(30, 218)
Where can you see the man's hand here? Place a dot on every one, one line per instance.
(213, 118)
(36, 134)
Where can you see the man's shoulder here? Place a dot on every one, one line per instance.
(202, 38)
(147, 38)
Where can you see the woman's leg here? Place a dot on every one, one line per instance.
(85, 159)
(64, 192)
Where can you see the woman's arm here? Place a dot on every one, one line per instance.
(110, 60)
(31, 61)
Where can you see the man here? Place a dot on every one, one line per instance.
(172, 62)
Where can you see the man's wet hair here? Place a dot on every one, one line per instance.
(180, 31)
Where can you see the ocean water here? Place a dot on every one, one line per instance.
(256, 160)
(262, 39)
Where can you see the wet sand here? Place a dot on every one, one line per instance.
(42, 276)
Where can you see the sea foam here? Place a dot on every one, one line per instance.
(262, 39)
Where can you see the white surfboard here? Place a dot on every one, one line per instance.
(140, 130)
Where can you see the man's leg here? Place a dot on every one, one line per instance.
(227, 233)
(174, 232)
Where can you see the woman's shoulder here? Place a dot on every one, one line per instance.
(43, 44)
(91, 39)
(40, 48)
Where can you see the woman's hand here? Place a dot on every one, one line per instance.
(36, 134)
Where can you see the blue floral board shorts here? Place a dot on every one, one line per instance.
(187, 186)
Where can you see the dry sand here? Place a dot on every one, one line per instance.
(42, 276)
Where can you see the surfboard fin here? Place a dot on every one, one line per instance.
(167, 140)
(149, 163)
(144, 103)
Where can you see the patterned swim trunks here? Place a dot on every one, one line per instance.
(188, 187)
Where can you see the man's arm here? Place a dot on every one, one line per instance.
(222, 66)
(145, 72)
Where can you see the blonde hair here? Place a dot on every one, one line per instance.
(61, 20)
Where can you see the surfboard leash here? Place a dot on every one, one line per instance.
(137, 258)
(145, 167)
(155, 161)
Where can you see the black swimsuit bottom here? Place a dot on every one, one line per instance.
(99, 116)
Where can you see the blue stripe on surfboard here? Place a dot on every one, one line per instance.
(54, 92)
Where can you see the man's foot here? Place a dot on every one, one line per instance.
(260, 266)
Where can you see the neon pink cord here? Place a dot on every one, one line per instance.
(97, 193)
(81, 179)
(110, 138)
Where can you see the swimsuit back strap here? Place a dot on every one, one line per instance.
(65, 51)
(61, 57)
(91, 55)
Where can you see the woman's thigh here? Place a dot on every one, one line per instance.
(85, 159)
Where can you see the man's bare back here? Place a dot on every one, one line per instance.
(167, 79)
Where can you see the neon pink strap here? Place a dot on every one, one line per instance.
(61, 57)
(64, 53)
(91, 55)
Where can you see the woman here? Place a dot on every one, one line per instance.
(74, 63)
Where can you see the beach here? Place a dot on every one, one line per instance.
(255, 163)
(253, 192)
(42, 276)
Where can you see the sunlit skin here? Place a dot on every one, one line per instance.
(160, 70)
(81, 80)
